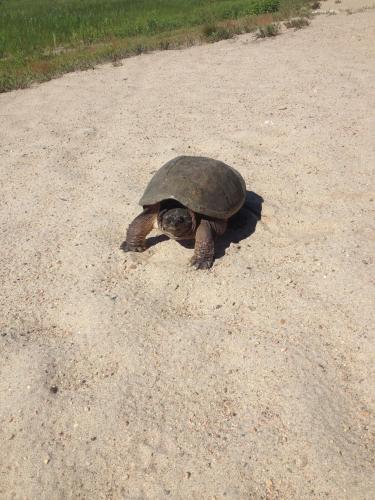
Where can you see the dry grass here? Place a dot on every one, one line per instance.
(297, 23)
(269, 30)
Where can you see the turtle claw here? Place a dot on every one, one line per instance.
(127, 247)
(200, 263)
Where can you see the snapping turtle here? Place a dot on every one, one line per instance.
(190, 197)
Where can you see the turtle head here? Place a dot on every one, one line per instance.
(177, 222)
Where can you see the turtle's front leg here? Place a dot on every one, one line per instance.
(139, 229)
(204, 250)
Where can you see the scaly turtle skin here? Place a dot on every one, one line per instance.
(190, 197)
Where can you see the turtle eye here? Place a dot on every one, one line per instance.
(180, 220)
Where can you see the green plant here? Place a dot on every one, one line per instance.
(209, 30)
(215, 33)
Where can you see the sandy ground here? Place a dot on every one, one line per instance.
(136, 377)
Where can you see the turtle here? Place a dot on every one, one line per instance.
(190, 197)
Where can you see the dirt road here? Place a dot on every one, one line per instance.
(137, 377)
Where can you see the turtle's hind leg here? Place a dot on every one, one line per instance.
(204, 250)
(139, 229)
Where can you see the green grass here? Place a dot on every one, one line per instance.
(40, 39)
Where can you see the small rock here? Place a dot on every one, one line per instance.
(301, 462)
(269, 483)
(53, 389)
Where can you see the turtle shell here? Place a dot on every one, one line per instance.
(206, 186)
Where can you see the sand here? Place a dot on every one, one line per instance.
(133, 376)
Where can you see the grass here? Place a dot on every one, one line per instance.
(315, 5)
(214, 32)
(297, 23)
(268, 30)
(41, 39)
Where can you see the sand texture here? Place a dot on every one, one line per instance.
(133, 376)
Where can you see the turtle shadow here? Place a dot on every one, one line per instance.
(242, 224)
(154, 240)
(160, 238)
